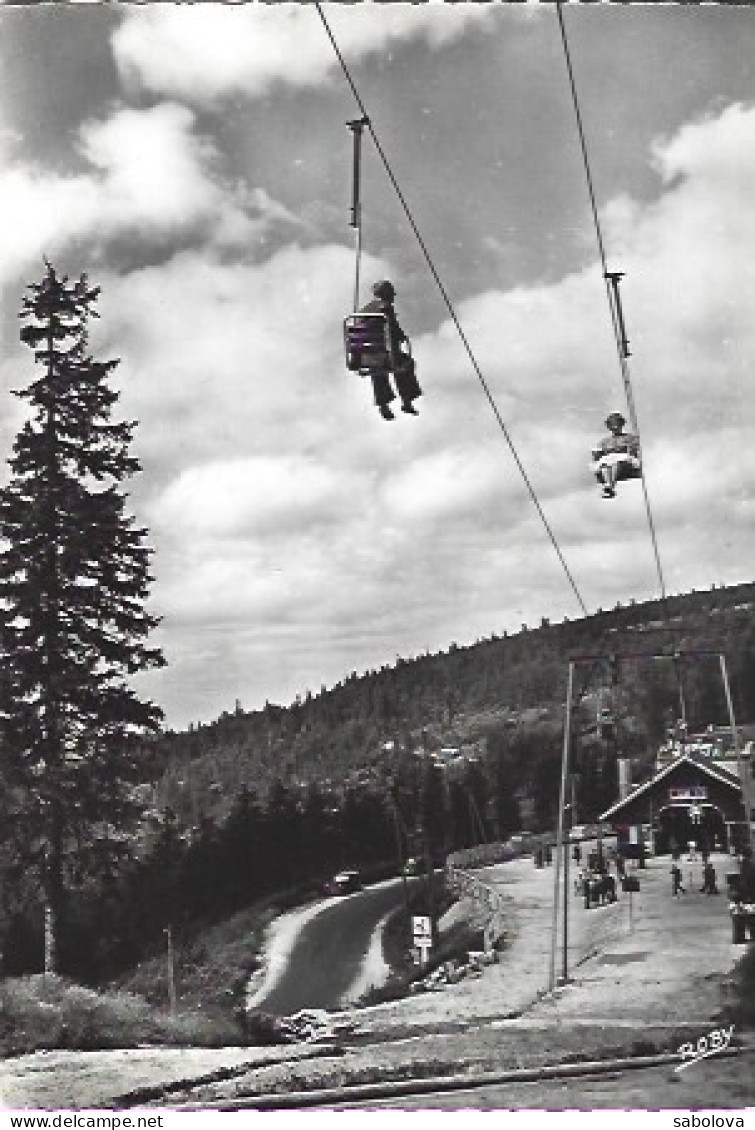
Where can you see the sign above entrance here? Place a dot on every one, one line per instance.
(688, 793)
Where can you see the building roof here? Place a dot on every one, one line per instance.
(717, 772)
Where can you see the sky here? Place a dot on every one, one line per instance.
(194, 160)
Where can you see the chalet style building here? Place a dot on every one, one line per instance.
(694, 795)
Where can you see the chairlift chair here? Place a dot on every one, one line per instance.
(628, 464)
(630, 468)
(367, 341)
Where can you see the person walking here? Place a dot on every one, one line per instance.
(709, 886)
(676, 880)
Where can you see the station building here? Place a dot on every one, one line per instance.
(694, 795)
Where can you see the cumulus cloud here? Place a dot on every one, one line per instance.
(147, 174)
(252, 497)
(448, 484)
(549, 352)
(214, 50)
(152, 166)
(286, 490)
(31, 205)
(149, 179)
(549, 357)
(240, 358)
(688, 272)
(292, 525)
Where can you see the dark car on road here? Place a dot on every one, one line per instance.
(344, 883)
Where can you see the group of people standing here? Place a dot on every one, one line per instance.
(709, 887)
(595, 882)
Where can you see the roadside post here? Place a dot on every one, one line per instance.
(422, 934)
(395, 813)
(565, 909)
(744, 766)
(171, 971)
(560, 836)
(631, 884)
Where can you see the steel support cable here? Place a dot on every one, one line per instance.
(452, 312)
(625, 375)
(604, 263)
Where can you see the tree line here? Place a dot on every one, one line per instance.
(287, 844)
(498, 689)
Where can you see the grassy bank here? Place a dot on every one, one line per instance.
(44, 1012)
(211, 969)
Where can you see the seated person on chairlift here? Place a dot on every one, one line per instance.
(616, 457)
(404, 370)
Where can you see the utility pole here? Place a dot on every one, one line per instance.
(744, 767)
(565, 927)
(49, 920)
(478, 824)
(560, 832)
(399, 846)
(171, 971)
(426, 849)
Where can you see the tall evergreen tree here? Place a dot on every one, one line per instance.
(74, 575)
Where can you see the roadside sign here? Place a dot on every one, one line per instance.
(422, 930)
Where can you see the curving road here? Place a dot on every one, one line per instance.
(328, 952)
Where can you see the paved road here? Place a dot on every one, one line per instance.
(327, 955)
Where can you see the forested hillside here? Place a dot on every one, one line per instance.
(504, 689)
(420, 758)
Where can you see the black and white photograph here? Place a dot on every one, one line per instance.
(377, 607)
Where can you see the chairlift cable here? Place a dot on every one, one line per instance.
(452, 311)
(611, 283)
(615, 309)
(617, 318)
(608, 276)
(356, 221)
